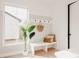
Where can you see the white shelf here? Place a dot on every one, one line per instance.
(42, 44)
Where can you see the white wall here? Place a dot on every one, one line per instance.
(60, 24)
(74, 27)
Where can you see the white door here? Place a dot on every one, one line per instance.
(74, 27)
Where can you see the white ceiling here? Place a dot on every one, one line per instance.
(40, 6)
(44, 3)
(39, 3)
(36, 6)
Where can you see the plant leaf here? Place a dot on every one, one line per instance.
(31, 28)
(31, 35)
(24, 32)
(23, 29)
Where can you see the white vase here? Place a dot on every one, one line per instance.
(25, 53)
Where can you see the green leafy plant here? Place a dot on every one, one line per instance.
(27, 33)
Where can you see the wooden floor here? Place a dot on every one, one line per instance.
(50, 53)
(38, 54)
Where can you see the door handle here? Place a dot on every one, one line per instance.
(69, 34)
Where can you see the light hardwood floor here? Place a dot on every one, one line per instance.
(50, 53)
(38, 54)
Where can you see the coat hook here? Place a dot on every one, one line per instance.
(35, 20)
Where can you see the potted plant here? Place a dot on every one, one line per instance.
(27, 34)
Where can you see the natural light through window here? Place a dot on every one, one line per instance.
(13, 17)
(20, 13)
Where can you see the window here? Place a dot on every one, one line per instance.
(13, 17)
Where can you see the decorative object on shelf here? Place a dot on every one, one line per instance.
(54, 39)
(40, 27)
(49, 38)
(27, 32)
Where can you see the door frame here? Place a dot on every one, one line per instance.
(69, 34)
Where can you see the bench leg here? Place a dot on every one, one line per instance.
(32, 49)
(46, 48)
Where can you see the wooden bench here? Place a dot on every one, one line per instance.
(38, 44)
